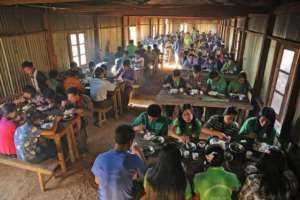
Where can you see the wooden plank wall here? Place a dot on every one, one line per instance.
(284, 32)
(263, 96)
(253, 46)
(22, 37)
(110, 33)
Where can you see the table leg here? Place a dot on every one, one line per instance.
(204, 114)
(119, 97)
(60, 154)
(70, 145)
(115, 105)
(74, 144)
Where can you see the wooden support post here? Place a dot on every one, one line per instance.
(226, 34)
(263, 56)
(96, 36)
(128, 25)
(122, 32)
(243, 42)
(158, 26)
(150, 27)
(233, 46)
(138, 29)
(50, 47)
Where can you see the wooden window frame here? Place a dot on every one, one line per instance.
(78, 47)
(290, 83)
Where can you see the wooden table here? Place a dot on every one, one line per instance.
(237, 165)
(68, 131)
(205, 74)
(164, 98)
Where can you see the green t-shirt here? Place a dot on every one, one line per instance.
(236, 86)
(229, 67)
(251, 125)
(177, 83)
(159, 127)
(188, 190)
(131, 50)
(219, 86)
(216, 183)
(188, 129)
(187, 42)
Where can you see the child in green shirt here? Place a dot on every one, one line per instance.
(229, 67)
(215, 183)
(216, 82)
(151, 121)
(186, 125)
(240, 86)
(261, 128)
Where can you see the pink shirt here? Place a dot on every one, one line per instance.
(7, 132)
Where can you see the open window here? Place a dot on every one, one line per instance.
(284, 78)
(132, 33)
(78, 48)
(183, 27)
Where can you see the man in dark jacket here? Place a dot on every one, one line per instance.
(38, 79)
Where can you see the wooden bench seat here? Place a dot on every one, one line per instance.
(102, 113)
(135, 88)
(47, 168)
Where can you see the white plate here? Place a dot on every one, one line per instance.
(42, 108)
(212, 93)
(48, 125)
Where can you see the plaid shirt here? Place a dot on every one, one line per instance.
(251, 188)
(216, 123)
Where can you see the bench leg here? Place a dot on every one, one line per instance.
(41, 181)
(60, 155)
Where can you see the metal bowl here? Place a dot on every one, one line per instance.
(201, 144)
(148, 150)
(158, 140)
(190, 146)
(236, 148)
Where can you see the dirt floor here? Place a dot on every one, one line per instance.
(17, 184)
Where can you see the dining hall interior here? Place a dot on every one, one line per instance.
(149, 99)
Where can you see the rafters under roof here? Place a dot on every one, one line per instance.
(255, 3)
(196, 8)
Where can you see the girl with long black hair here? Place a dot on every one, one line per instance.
(186, 125)
(167, 179)
(272, 181)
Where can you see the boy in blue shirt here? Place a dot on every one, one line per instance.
(116, 170)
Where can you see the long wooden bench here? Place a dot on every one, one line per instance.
(47, 168)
